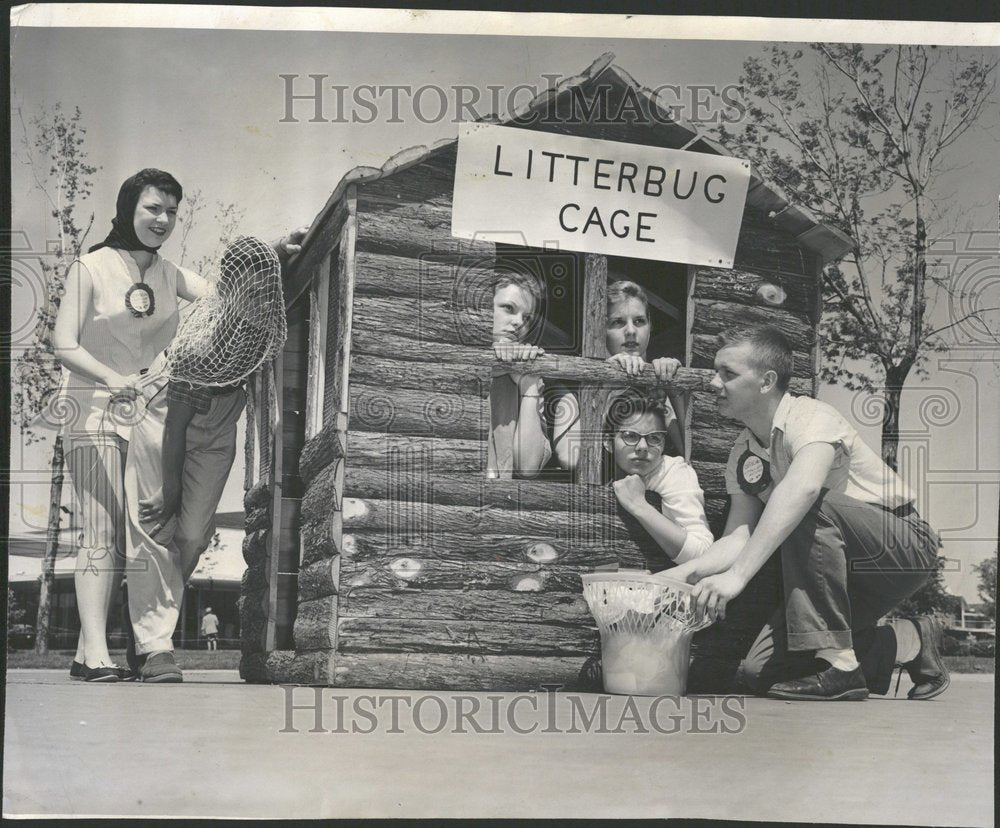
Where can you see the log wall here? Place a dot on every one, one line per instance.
(414, 570)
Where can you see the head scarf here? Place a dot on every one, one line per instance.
(122, 235)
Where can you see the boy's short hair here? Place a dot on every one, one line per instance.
(624, 289)
(630, 404)
(771, 349)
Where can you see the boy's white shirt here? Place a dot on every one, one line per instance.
(683, 501)
(857, 470)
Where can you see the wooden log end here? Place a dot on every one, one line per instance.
(257, 496)
(319, 579)
(316, 624)
(327, 445)
(303, 668)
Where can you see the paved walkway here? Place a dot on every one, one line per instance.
(216, 747)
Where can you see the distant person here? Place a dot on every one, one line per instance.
(210, 629)
(852, 545)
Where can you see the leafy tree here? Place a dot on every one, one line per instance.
(987, 571)
(932, 598)
(57, 157)
(861, 143)
(226, 218)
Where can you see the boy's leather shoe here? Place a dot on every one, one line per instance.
(160, 668)
(927, 671)
(826, 684)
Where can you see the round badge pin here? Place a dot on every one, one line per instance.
(139, 300)
(753, 473)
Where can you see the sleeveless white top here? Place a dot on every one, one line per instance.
(112, 335)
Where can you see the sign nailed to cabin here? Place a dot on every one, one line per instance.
(597, 196)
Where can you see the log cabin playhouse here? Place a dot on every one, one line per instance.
(379, 554)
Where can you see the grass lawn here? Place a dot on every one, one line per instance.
(186, 659)
(969, 664)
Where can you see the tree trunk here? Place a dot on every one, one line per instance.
(51, 548)
(890, 419)
(919, 278)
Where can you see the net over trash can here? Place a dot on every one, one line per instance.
(646, 626)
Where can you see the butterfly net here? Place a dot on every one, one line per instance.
(239, 325)
(646, 627)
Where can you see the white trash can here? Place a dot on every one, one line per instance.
(646, 626)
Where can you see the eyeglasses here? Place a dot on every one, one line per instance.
(655, 439)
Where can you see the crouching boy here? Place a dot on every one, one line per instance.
(852, 544)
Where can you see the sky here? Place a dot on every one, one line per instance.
(208, 104)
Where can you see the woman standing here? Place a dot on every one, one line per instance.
(118, 313)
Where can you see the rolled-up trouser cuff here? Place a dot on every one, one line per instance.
(159, 645)
(821, 640)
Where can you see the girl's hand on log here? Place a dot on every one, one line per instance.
(665, 368)
(631, 364)
(509, 352)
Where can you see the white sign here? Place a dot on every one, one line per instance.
(597, 196)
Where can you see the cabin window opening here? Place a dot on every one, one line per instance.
(666, 287)
(553, 285)
(558, 277)
(537, 300)
(665, 284)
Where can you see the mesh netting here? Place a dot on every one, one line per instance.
(636, 603)
(646, 629)
(240, 325)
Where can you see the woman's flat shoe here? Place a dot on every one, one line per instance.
(101, 674)
(76, 671)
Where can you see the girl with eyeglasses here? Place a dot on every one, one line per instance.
(635, 436)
